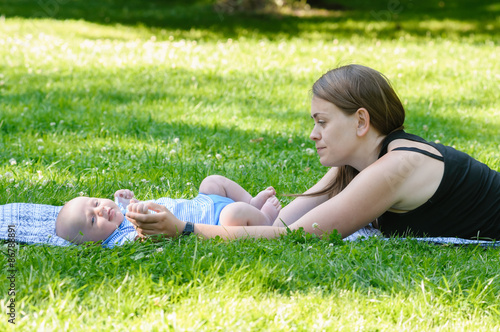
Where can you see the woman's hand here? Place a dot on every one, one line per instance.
(163, 222)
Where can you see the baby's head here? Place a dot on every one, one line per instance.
(85, 219)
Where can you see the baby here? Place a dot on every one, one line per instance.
(220, 202)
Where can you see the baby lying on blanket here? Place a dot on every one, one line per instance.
(32, 223)
(36, 223)
(91, 219)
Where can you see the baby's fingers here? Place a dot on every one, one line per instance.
(128, 194)
(156, 207)
(124, 193)
(138, 208)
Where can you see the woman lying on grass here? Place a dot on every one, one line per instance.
(378, 173)
(220, 202)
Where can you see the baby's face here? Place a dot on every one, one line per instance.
(86, 219)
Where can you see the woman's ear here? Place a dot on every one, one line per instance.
(363, 118)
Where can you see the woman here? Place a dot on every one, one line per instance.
(378, 173)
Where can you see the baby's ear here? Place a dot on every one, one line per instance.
(58, 233)
(59, 225)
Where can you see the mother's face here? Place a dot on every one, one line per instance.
(334, 133)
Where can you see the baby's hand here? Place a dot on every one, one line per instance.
(139, 208)
(124, 196)
(124, 193)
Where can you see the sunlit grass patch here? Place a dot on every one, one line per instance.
(89, 107)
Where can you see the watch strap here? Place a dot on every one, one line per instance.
(189, 229)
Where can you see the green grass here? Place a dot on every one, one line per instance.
(93, 98)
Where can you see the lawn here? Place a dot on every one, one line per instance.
(97, 96)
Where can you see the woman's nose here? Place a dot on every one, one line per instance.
(314, 134)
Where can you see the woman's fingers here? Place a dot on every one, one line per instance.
(152, 228)
(163, 222)
(141, 219)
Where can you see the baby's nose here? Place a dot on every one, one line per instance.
(104, 211)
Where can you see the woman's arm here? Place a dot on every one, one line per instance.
(372, 192)
(303, 204)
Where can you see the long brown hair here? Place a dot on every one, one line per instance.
(353, 87)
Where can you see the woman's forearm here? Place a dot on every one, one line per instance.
(236, 232)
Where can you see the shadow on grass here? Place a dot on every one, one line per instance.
(157, 110)
(109, 116)
(383, 19)
(131, 105)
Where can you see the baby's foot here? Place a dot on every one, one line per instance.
(271, 209)
(261, 198)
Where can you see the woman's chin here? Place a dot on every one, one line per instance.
(326, 163)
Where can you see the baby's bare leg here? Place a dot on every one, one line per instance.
(222, 186)
(244, 214)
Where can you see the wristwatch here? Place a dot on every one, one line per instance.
(188, 229)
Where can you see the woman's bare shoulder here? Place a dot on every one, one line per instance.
(413, 177)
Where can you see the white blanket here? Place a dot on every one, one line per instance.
(30, 223)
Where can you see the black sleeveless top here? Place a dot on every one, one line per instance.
(466, 203)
